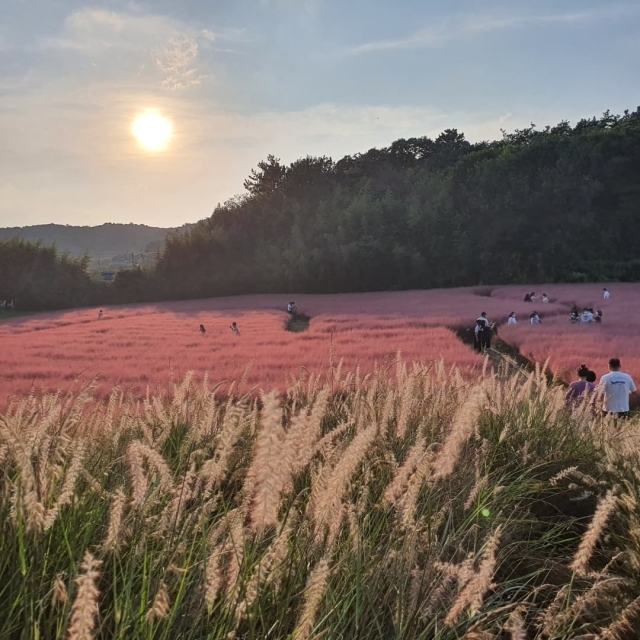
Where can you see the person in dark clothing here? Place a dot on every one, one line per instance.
(478, 341)
(487, 332)
(591, 376)
(202, 329)
(527, 297)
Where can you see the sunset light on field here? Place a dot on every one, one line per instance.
(152, 131)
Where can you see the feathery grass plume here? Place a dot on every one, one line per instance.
(515, 625)
(399, 482)
(605, 509)
(406, 405)
(472, 594)
(301, 439)
(407, 502)
(236, 559)
(462, 428)
(326, 497)
(214, 470)
(480, 484)
(85, 606)
(313, 595)
(59, 590)
(68, 486)
(139, 480)
(114, 531)
(265, 473)
(161, 606)
(138, 453)
(215, 573)
(626, 625)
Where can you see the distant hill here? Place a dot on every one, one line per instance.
(102, 242)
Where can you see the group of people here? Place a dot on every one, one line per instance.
(291, 308)
(587, 315)
(532, 297)
(615, 388)
(534, 318)
(233, 326)
(7, 305)
(483, 332)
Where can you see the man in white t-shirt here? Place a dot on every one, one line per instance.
(606, 293)
(616, 387)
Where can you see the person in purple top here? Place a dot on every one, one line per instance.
(581, 386)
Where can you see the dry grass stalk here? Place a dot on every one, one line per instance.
(266, 472)
(313, 595)
(161, 606)
(472, 594)
(118, 504)
(515, 625)
(605, 508)
(85, 605)
(327, 497)
(59, 590)
(67, 491)
(462, 428)
(400, 480)
(626, 625)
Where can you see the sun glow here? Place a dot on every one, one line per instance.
(152, 131)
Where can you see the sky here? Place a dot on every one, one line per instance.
(240, 79)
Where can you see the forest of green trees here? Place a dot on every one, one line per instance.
(539, 205)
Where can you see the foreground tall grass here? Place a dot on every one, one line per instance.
(412, 505)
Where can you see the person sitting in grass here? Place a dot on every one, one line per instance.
(512, 318)
(234, 329)
(545, 297)
(587, 315)
(534, 318)
(574, 318)
(616, 388)
(202, 329)
(527, 297)
(606, 294)
(582, 386)
(598, 316)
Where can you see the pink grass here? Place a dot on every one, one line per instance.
(140, 346)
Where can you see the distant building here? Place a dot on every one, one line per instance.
(108, 276)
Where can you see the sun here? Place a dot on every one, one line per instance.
(152, 131)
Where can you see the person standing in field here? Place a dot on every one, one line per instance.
(234, 329)
(606, 294)
(100, 314)
(202, 329)
(591, 376)
(483, 319)
(512, 318)
(582, 386)
(616, 388)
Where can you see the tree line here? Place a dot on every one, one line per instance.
(555, 204)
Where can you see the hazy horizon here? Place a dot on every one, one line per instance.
(239, 80)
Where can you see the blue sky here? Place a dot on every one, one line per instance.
(240, 79)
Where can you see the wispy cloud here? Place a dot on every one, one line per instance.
(144, 38)
(178, 63)
(438, 35)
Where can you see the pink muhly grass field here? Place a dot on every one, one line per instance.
(568, 345)
(146, 346)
